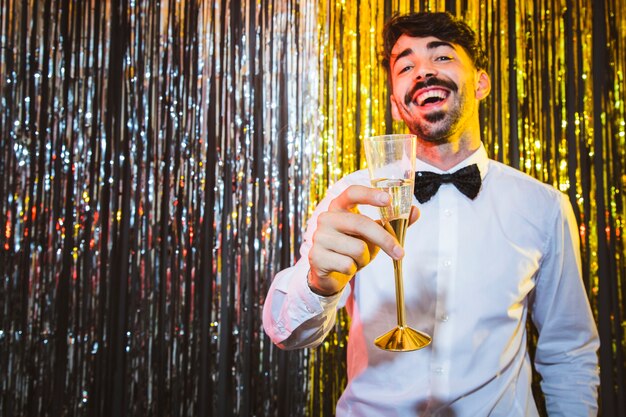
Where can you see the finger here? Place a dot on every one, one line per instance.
(414, 215)
(353, 247)
(330, 271)
(363, 227)
(326, 261)
(373, 250)
(359, 194)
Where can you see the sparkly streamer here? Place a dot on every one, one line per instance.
(556, 111)
(151, 185)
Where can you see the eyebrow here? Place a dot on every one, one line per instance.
(429, 45)
(437, 44)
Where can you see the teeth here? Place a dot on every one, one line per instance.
(431, 93)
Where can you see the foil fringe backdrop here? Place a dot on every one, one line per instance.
(158, 161)
(556, 111)
(151, 186)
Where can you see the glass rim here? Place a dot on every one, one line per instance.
(390, 137)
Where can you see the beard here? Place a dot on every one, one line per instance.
(435, 116)
(437, 126)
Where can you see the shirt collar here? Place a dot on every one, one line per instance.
(479, 157)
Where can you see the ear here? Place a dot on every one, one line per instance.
(395, 113)
(483, 85)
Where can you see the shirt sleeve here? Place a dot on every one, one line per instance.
(293, 315)
(568, 340)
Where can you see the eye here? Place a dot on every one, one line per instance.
(443, 58)
(405, 69)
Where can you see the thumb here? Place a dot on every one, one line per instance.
(415, 214)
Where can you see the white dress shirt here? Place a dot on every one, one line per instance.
(473, 270)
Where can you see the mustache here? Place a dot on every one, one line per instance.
(429, 82)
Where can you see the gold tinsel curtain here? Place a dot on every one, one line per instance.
(556, 112)
(158, 161)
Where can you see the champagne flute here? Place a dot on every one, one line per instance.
(391, 164)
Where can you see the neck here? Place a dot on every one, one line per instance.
(446, 154)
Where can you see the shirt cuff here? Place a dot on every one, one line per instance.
(313, 303)
(327, 302)
(301, 303)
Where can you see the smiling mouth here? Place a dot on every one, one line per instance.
(431, 96)
(430, 91)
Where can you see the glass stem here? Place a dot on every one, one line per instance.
(397, 269)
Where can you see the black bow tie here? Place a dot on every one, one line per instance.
(467, 180)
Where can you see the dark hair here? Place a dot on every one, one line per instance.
(441, 25)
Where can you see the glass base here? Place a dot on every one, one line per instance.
(403, 339)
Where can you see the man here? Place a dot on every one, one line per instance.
(476, 264)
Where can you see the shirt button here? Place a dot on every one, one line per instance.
(439, 371)
(444, 318)
(447, 263)
(447, 212)
(309, 309)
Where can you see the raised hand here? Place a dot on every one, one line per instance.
(346, 241)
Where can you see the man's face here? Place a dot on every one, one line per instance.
(435, 87)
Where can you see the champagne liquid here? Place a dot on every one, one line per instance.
(401, 192)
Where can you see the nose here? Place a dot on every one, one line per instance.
(424, 75)
(425, 71)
